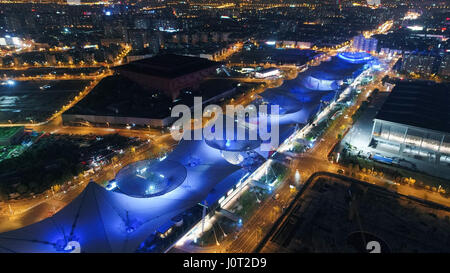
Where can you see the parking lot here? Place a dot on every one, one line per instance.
(35, 101)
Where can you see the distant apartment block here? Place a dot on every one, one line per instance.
(444, 67)
(365, 44)
(423, 64)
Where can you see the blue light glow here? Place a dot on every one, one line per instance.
(355, 57)
(111, 186)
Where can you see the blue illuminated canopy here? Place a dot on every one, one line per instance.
(355, 57)
(149, 178)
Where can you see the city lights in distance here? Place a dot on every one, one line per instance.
(415, 28)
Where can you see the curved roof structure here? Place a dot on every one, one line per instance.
(355, 57)
(150, 177)
(287, 102)
(322, 82)
(97, 221)
(295, 107)
(231, 141)
(301, 98)
(337, 69)
(104, 221)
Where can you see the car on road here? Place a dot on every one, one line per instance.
(276, 196)
(340, 171)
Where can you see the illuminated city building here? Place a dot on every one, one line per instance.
(419, 63)
(414, 122)
(269, 72)
(373, 2)
(365, 44)
(444, 67)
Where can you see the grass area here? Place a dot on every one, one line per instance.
(247, 205)
(399, 175)
(7, 132)
(53, 161)
(276, 171)
(299, 148)
(222, 225)
(11, 151)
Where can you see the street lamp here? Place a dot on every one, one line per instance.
(297, 177)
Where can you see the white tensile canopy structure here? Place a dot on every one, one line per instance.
(103, 221)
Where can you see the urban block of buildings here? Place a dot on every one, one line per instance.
(143, 92)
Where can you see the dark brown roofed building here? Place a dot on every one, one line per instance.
(169, 73)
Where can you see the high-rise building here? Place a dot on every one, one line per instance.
(50, 59)
(444, 67)
(365, 44)
(141, 23)
(154, 42)
(423, 64)
(373, 2)
(137, 38)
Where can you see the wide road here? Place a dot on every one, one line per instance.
(18, 213)
(308, 163)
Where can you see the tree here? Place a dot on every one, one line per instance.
(56, 188)
(3, 197)
(22, 188)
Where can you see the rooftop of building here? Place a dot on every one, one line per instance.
(323, 204)
(335, 69)
(168, 65)
(119, 96)
(270, 69)
(420, 104)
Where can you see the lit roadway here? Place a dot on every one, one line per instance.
(312, 161)
(270, 209)
(253, 230)
(23, 212)
(28, 211)
(83, 93)
(117, 61)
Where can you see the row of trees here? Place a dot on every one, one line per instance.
(359, 166)
(40, 167)
(51, 162)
